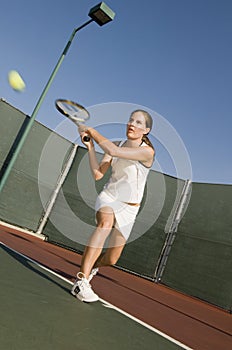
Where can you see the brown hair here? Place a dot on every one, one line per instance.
(149, 123)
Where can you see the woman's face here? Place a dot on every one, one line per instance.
(136, 126)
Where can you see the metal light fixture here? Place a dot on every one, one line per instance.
(101, 14)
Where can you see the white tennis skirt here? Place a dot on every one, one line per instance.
(124, 213)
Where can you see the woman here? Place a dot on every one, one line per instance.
(119, 202)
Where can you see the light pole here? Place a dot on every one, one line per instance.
(101, 14)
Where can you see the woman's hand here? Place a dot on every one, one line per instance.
(83, 131)
(82, 128)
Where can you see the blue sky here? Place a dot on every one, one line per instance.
(172, 57)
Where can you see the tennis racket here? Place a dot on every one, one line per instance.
(74, 111)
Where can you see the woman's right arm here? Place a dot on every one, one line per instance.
(98, 169)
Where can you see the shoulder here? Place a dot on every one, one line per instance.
(150, 155)
(148, 148)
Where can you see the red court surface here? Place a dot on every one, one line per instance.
(199, 325)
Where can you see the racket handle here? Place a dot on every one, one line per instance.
(86, 138)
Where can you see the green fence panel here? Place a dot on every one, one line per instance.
(11, 121)
(200, 262)
(20, 199)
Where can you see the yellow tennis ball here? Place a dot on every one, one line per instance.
(16, 81)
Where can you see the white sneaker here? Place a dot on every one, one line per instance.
(82, 289)
(93, 273)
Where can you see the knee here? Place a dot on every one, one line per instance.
(105, 224)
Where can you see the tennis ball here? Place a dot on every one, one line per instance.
(15, 81)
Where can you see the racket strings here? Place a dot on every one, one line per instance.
(74, 110)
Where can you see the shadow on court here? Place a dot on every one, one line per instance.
(38, 312)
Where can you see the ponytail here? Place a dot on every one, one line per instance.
(147, 141)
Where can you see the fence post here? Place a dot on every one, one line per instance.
(181, 206)
(56, 191)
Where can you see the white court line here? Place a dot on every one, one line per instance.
(105, 303)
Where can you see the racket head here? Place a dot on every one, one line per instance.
(72, 110)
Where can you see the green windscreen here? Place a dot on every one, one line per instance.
(200, 262)
(35, 171)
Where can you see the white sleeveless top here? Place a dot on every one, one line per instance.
(128, 179)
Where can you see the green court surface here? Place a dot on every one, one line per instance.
(38, 312)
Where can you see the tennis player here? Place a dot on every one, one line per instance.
(119, 202)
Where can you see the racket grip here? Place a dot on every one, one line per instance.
(86, 138)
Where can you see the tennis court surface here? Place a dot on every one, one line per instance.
(38, 311)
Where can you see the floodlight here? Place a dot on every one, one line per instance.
(101, 14)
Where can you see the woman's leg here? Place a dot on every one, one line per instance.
(105, 221)
(115, 247)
